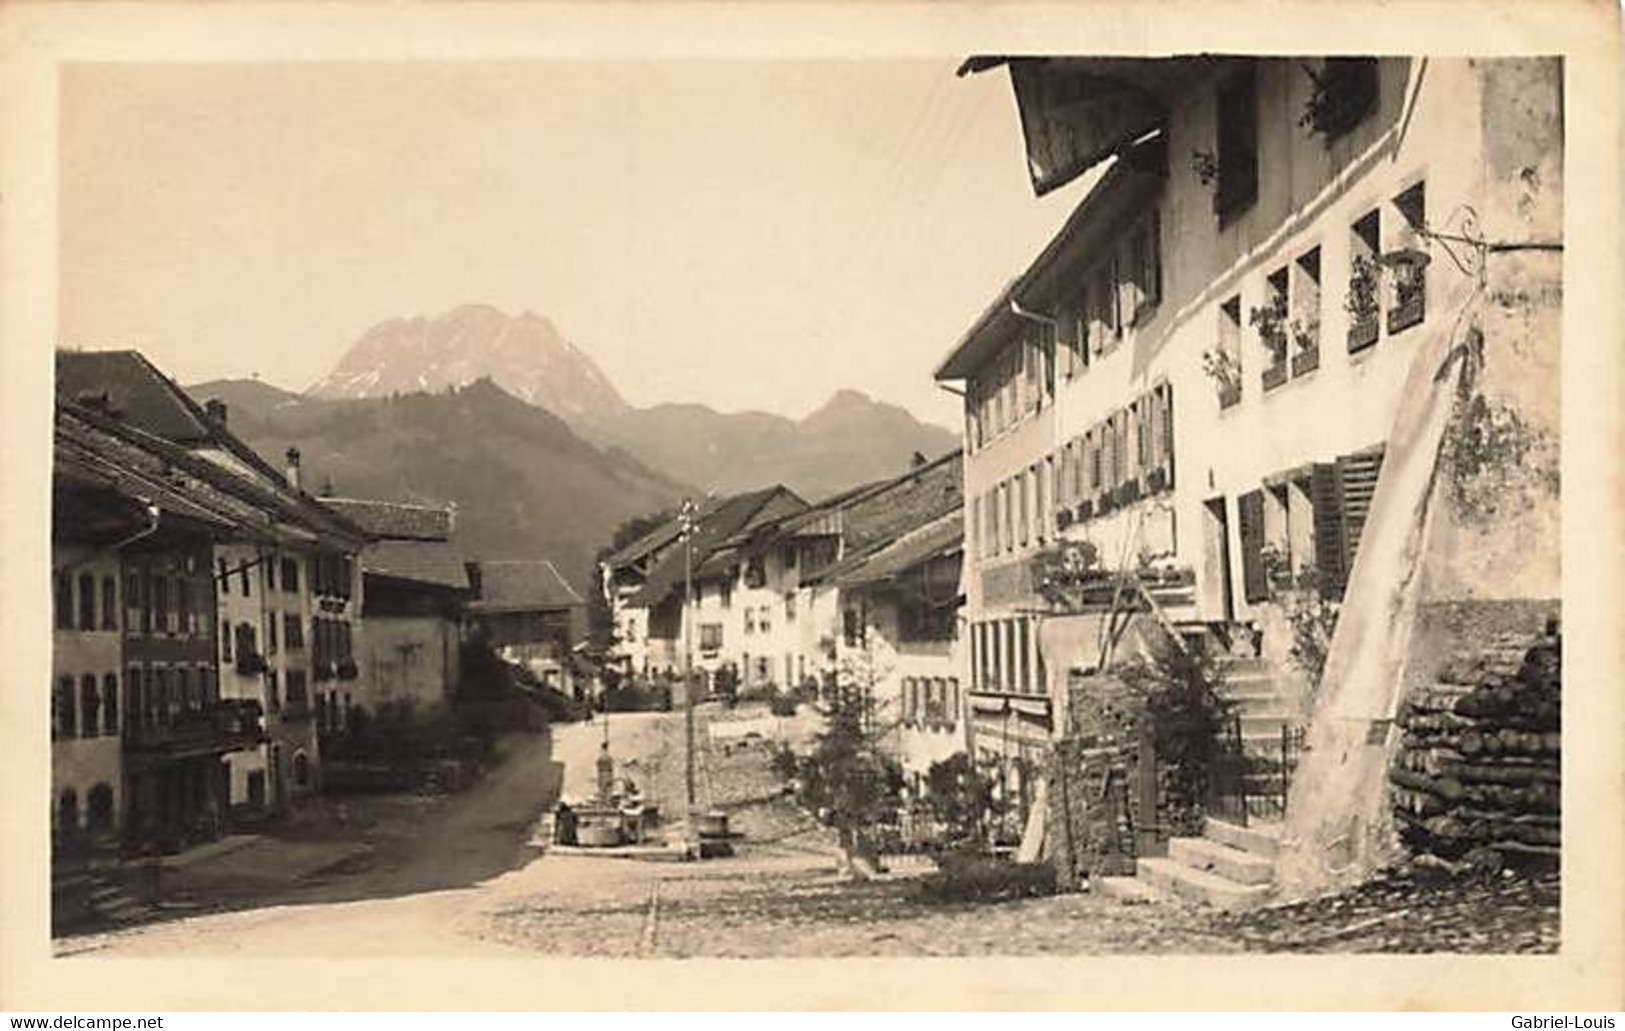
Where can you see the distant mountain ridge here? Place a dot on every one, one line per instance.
(526, 354)
(849, 439)
(524, 484)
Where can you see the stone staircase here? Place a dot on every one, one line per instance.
(1229, 867)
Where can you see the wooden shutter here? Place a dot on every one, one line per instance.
(1326, 494)
(1357, 474)
(1250, 524)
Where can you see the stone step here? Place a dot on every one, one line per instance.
(1235, 667)
(1230, 863)
(1195, 885)
(1261, 839)
(1129, 889)
(1270, 722)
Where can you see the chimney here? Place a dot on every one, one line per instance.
(293, 468)
(216, 410)
(918, 460)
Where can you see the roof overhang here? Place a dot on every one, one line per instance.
(1078, 111)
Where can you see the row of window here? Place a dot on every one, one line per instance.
(930, 701)
(154, 695)
(1288, 321)
(1005, 657)
(1118, 292)
(86, 609)
(758, 619)
(1123, 458)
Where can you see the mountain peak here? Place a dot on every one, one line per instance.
(525, 355)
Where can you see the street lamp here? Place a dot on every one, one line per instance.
(688, 521)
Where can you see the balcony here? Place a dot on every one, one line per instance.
(227, 725)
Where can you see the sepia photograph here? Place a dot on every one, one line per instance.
(1016, 503)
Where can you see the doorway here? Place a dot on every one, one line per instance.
(1216, 558)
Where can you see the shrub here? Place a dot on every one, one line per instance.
(782, 704)
(1188, 717)
(966, 877)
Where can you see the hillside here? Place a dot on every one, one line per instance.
(850, 439)
(524, 484)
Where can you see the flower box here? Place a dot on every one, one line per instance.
(1156, 480)
(1362, 333)
(1275, 375)
(1407, 313)
(1128, 493)
(1305, 361)
(1086, 509)
(347, 670)
(1229, 395)
(1063, 518)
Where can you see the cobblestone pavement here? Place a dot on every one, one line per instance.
(472, 889)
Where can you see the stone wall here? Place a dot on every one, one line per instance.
(1108, 800)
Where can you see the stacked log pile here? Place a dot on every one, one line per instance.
(1477, 780)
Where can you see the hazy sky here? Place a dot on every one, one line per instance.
(743, 234)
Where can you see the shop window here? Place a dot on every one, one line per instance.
(1407, 269)
(1304, 329)
(1237, 186)
(1363, 303)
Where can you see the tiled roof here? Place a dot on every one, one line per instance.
(430, 562)
(884, 514)
(940, 538)
(522, 585)
(135, 391)
(661, 536)
(723, 521)
(140, 399)
(256, 505)
(390, 520)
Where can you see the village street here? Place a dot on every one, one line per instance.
(466, 881)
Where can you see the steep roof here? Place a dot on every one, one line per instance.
(521, 585)
(661, 536)
(731, 516)
(882, 515)
(940, 538)
(396, 521)
(140, 399)
(437, 563)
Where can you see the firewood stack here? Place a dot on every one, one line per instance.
(1477, 781)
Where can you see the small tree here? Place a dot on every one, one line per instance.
(960, 797)
(1188, 717)
(848, 777)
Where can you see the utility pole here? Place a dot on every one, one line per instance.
(688, 521)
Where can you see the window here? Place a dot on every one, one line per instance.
(136, 610)
(242, 578)
(1270, 319)
(110, 724)
(921, 622)
(1304, 329)
(225, 641)
(64, 601)
(87, 602)
(1409, 273)
(297, 693)
(1024, 516)
(158, 698)
(1104, 322)
(270, 634)
(1341, 493)
(725, 594)
(1237, 186)
(160, 603)
(135, 696)
(1364, 301)
(1250, 528)
(1228, 360)
(67, 709)
(710, 637)
(852, 627)
(184, 701)
(290, 575)
(109, 603)
(293, 631)
(750, 620)
(90, 705)
(1139, 266)
(273, 691)
(790, 606)
(764, 619)
(183, 607)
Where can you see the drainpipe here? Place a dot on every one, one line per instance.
(153, 513)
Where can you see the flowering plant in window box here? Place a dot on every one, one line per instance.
(1224, 369)
(1156, 480)
(1063, 518)
(1306, 335)
(1362, 304)
(322, 671)
(1205, 164)
(1410, 291)
(1086, 509)
(1129, 492)
(1270, 320)
(347, 670)
(1107, 504)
